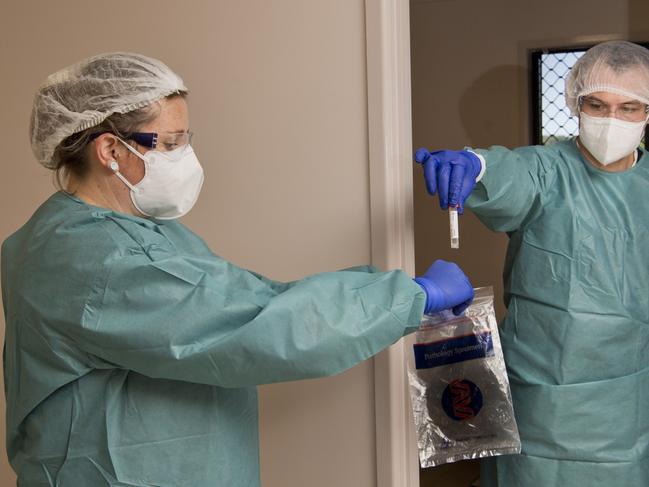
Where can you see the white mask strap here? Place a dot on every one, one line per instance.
(128, 146)
(115, 168)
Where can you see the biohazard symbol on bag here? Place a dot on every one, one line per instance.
(462, 400)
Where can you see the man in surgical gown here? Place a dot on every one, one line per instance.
(576, 334)
(132, 351)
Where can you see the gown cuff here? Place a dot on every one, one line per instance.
(483, 165)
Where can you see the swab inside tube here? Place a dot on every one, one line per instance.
(454, 228)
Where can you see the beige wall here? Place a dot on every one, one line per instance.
(470, 87)
(278, 104)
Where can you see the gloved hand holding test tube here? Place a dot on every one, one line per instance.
(452, 175)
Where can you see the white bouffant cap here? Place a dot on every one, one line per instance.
(618, 67)
(85, 94)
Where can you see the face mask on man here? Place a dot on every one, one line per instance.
(171, 184)
(609, 139)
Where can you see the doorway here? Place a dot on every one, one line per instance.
(470, 72)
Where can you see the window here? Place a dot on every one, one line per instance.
(551, 119)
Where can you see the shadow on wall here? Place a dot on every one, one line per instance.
(491, 111)
(491, 114)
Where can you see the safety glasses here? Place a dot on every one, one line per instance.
(161, 141)
(632, 111)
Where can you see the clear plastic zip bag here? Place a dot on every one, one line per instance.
(459, 387)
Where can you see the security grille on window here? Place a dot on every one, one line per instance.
(551, 119)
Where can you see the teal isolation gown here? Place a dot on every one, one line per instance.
(132, 352)
(576, 334)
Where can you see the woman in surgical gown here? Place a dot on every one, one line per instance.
(132, 352)
(576, 334)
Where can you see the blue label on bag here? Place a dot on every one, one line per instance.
(453, 350)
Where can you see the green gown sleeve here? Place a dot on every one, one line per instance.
(204, 320)
(509, 191)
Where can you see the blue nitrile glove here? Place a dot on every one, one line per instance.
(452, 174)
(446, 287)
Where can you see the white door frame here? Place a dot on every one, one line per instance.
(391, 205)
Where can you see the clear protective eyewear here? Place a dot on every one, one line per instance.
(631, 111)
(161, 141)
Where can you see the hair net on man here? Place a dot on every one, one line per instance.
(85, 94)
(618, 67)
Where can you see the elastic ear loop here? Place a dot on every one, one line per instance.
(115, 168)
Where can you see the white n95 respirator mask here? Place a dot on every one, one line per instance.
(609, 139)
(171, 184)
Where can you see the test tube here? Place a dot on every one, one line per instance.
(454, 227)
